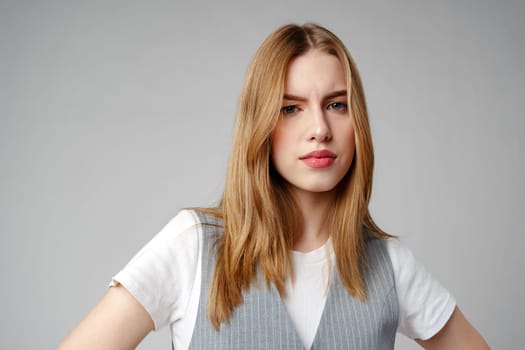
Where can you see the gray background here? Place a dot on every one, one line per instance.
(116, 114)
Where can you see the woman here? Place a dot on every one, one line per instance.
(291, 258)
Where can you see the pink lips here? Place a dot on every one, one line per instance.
(319, 159)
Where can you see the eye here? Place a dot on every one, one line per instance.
(289, 110)
(338, 106)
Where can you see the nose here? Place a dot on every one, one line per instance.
(319, 128)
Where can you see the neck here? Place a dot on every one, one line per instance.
(313, 208)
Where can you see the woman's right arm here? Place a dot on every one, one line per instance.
(118, 322)
(152, 291)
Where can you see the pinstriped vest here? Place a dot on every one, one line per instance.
(261, 322)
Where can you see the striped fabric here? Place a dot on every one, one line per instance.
(262, 322)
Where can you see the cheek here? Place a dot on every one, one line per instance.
(346, 135)
(282, 150)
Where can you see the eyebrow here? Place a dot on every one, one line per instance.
(337, 93)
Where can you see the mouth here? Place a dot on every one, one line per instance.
(319, 159)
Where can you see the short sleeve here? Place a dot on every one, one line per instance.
(425, 305)
(161, 275)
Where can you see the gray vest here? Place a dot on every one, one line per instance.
(261, 322)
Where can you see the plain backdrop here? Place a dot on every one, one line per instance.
(116, 114)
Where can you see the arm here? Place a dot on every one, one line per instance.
(457, 333)
(117, 322)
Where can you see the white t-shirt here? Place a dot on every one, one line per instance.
(165, 277)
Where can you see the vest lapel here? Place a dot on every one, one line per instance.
(348, 323)
(260, 322)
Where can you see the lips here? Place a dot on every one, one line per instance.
(319, 159)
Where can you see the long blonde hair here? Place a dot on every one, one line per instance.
(257, 208)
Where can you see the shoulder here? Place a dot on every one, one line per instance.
(184, 221)
(184, 228)
(400, 255)
(177, 242)
(181, 233)
(407, 269)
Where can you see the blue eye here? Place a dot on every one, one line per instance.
(287, 110)
(338, 106)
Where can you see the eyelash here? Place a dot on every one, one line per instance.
(336, 106)
(285, 110)
(342, 106)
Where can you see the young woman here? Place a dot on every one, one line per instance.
(291, 258)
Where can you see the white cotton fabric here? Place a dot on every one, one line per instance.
(165, 277)
(307, 293)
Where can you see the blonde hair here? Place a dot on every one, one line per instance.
(259, 213)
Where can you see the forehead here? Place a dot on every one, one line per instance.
(314, 72)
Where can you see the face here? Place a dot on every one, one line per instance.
(313, 143)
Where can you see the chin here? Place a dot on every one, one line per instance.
(317, 188)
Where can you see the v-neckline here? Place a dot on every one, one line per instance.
(333, 271)
(289, 319)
